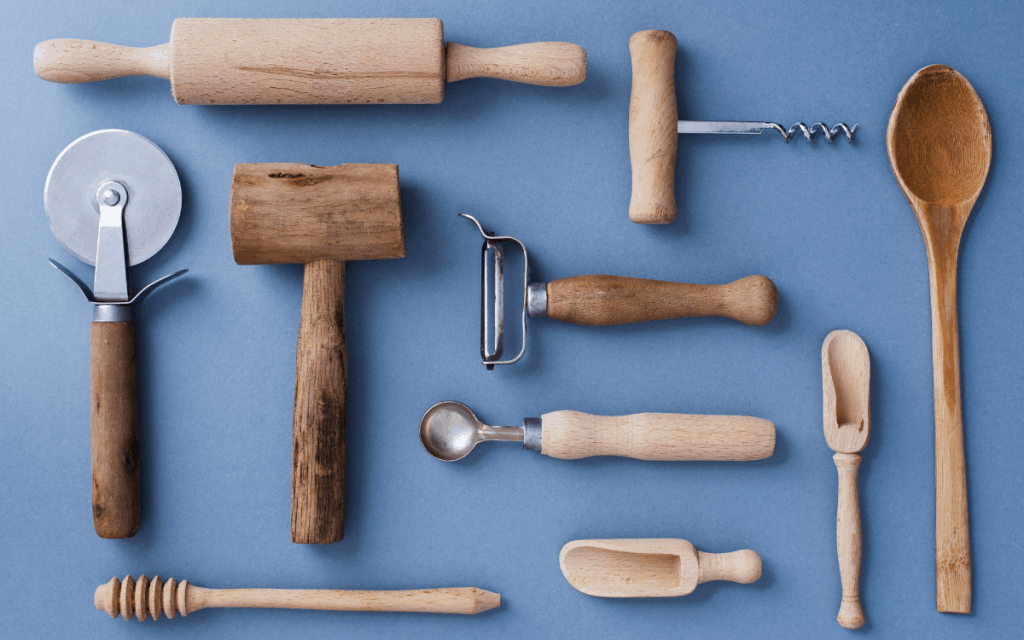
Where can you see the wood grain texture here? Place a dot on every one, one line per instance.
(940, 147)
(290, 212)
(116, 496)
(846, 385)
(848, 540)
(571, 435)
(72, 61)
(549, 64)
(307, 61)
(321, 402)
(650, 568)
(653, 132)
(607, 300)
(149, 598)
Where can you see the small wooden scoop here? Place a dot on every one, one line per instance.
(651, 568)
(940, 148)
(846, 381)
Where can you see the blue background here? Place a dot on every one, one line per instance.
(827, 223)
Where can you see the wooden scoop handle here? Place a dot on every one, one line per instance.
(848, 540)
(549, 64)
(321, 400)
(742, 566)
(606, 300)
(653, 130)
(74, 61)
(116, 498)
(570, 435)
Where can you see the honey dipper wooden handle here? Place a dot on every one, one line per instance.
(549, 64)
(116, 498)
(606, 300)
(848, 540)
(571, 435)
(73, 61)
(321, 396)
(653, 130)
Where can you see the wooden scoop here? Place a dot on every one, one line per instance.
(940, 148)
(846, 382)
(652, 568)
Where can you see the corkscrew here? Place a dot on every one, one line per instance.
(654, 127)
(147, 598)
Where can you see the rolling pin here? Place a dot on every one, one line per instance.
(310, 61)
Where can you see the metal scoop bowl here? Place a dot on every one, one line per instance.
(449, 430)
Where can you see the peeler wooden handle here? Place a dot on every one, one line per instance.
(653, 129)
(571, 435)
(310, 61)
(606, 300)
(116, 498)
(321, 401)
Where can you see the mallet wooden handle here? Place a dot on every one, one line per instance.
(570, 435)
(549, 64)
(848, 540)
(653, 131)
(149, 598)
(116, 498)
(321, 397)
(607, 300)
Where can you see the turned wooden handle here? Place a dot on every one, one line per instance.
(73, 61)
(116, 498)
(653, 130)
(952, 536)
(321, 395)
(848, 540)
(570, 435)
(606, 300)
(549, 64)
(742, 566)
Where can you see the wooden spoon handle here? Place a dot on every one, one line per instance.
(952, 538)
(549, 64)
(321, 394)
(570, 435)
(73, 61)
(848, 540)
(607, 300)
(116, 497)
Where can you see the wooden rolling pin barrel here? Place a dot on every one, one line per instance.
(310, 61)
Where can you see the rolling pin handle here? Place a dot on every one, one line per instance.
(73, 61)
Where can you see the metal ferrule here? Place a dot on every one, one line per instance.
(537, 299)
(532, 434)
(112, 313)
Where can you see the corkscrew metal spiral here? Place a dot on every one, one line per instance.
(732, 127)
(145, 598)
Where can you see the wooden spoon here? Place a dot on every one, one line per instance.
(940, 148)
(846, 385)
(653, 568)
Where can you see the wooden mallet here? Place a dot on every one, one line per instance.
(321, 217)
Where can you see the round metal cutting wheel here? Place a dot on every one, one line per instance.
(154, 193)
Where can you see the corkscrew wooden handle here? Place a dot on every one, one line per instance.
(149, 598)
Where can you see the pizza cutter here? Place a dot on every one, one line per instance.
(113, 199)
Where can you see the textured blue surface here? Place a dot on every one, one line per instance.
(827, 223)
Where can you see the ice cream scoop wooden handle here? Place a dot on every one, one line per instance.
(310, 61)
(606, 300)
(570, 435)
(116, 498)
(147, 598)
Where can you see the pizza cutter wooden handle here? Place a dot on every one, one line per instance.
(116, 498)
(571, 435)
(607, 300)
(310, 61)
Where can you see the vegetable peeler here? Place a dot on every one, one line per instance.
(601, 300)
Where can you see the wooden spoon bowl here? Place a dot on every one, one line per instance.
(940, 148)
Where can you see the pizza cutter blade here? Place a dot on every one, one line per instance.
(113, 199)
